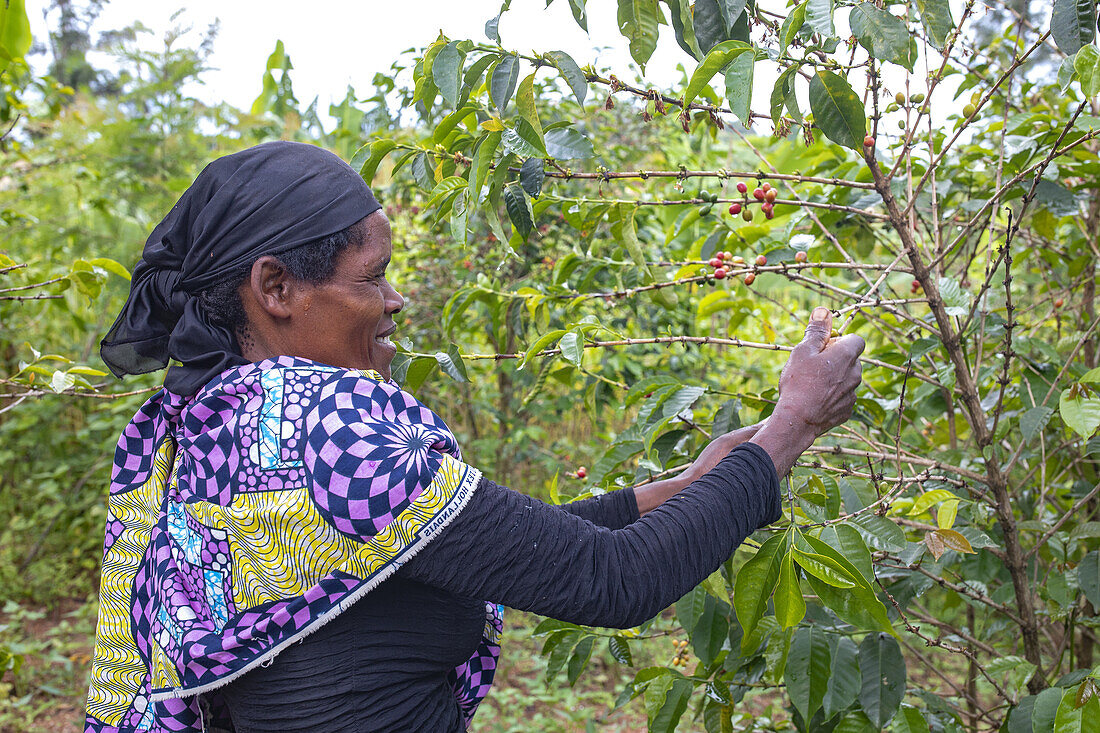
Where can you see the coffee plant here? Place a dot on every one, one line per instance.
(642, 253)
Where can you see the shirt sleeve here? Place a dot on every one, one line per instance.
(614, 510)
(509, 548)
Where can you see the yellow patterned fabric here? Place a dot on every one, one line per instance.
(243, 518)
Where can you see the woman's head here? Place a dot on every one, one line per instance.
(252, 207)
(328, 301)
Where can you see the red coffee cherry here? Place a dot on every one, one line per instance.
(758, 194)
(770, 195)
(720, 273)
(582, 472)
(715, 262)
(741, 187)
(800, 256)
(750, 278)
(735, 208)
(761, 260)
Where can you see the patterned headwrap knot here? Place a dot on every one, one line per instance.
(264, 200)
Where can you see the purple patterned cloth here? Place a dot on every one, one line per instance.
(245, 517)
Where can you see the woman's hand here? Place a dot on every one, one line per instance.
(817, 391)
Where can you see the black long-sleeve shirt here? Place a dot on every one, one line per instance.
(382, 664)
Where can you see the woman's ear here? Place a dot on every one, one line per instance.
(272, 287)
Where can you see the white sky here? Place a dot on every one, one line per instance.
(333, 43)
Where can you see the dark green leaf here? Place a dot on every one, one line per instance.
(1045, 708)
(790, 606)
(706, 621)
(1033, 421)
(566, 143)
(503, 82)
(447, 71)
(1088, 577)
(572, 347)
(707, 22)
(781, 92)
(531, 176)
(519, 209)
(451, 364)
(883, 34)
(909, 720)
(1073, 24)
(620, 650)
(807, 672)
(882, 669)
(572, 74)
(844, 678)
(837, 110)
(879, 532)
(726, 417)
(367, 158)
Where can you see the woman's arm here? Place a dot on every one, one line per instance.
(509, 548)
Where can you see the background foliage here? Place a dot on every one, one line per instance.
(563, 229)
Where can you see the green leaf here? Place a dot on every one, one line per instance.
(935, 16)
(882, 668)
(525, 103)
(620, 650)
(739, 76)
(502, 83)
(580, 14)
(1088, 577)
(910, 720)
(837, 110)
(1073, 24)
(524, 141)
(956, 301)
(1033, 421)
(15, 30)
(1073, 719)
(731, 10)
(578, 660)
(451, 364)
(680, 12)
(883, 34)
(790, 606)
(849, 543)
(709, 27)
(819, 15)
(807, 672)
(531, 176)
(844, 678)
(1081, 414)
(707, 622)
(447, 71)
(566, 143)
(519, 209)
(638, 24)
(754, 585)
(930, 499)
(417, 372)
(675, 703)
(782, 93)
(572, 74)
(717, 59)
(1045, 709)
(1087, 65)
(572, 347)
(483, 159)
(792, 24)
(367, 158)
(110, 265)
(624, 231)
(879, 532)
(825, 569)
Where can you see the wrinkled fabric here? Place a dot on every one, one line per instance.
(243, 518)
(261, 201)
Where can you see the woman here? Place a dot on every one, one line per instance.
(260, 500)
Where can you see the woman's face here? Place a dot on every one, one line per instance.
(347, 321)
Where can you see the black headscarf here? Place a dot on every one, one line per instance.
(260, 201)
